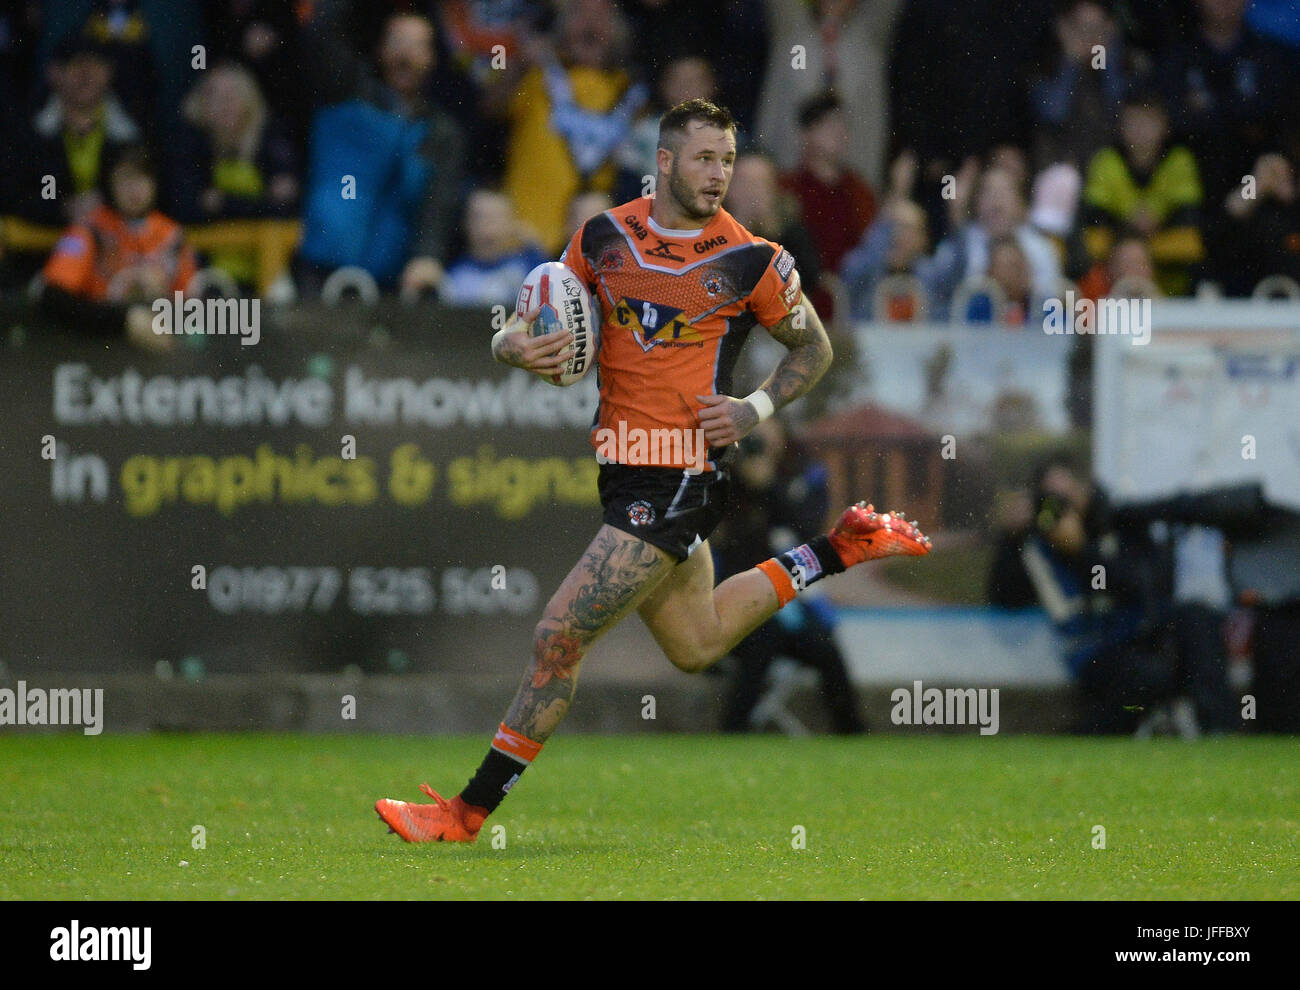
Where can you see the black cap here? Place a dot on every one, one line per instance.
(1142, 93)
(80, 44)
(817, 106)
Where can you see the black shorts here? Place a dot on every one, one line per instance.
(666, 507)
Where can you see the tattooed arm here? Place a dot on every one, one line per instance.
(809, 354)
(726, 420)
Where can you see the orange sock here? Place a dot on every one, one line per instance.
(519, 746)
(507, 758)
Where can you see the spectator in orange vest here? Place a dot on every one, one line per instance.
(106, 271)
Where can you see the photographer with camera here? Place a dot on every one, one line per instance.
(1130, 642)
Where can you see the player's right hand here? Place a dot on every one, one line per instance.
(545, 355)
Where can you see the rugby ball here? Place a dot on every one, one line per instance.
(554, 298)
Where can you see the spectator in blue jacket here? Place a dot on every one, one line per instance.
(1075, 101)
(1229, 90)
(386, 164)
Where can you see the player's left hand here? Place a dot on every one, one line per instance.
(725, 420)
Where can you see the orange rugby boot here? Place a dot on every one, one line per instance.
(443, 821)
(864, 534)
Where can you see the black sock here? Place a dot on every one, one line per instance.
(493, 780)
(811, 562)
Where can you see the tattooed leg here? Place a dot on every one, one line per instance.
(615, 574)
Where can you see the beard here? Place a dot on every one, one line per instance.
(687, 199)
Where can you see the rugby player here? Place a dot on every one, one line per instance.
(680, 284)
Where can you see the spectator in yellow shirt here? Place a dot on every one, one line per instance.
(568, 114)
(1147, 187)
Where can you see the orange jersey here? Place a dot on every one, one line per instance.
(96, 259)
(677, 305)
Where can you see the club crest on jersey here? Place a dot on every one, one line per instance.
(714, 282)
(652, 323)
(641, 513)
(611, 260)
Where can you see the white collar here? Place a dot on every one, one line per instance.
(669, 232)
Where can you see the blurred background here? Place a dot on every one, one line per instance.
(320, 484)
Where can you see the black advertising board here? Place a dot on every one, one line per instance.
(364, 486)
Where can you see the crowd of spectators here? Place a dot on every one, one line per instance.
(918, 157)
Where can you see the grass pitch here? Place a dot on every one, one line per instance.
(291, 817)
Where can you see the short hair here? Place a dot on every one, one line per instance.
(817, 106)
(406, 15)
(77, 45)
(135, 158)
(1066, 7)
(673, 124)
(1048, 463)
(682, 53)
(1145, 96)
(1017, 186)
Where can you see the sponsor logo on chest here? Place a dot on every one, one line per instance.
(708, 244)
